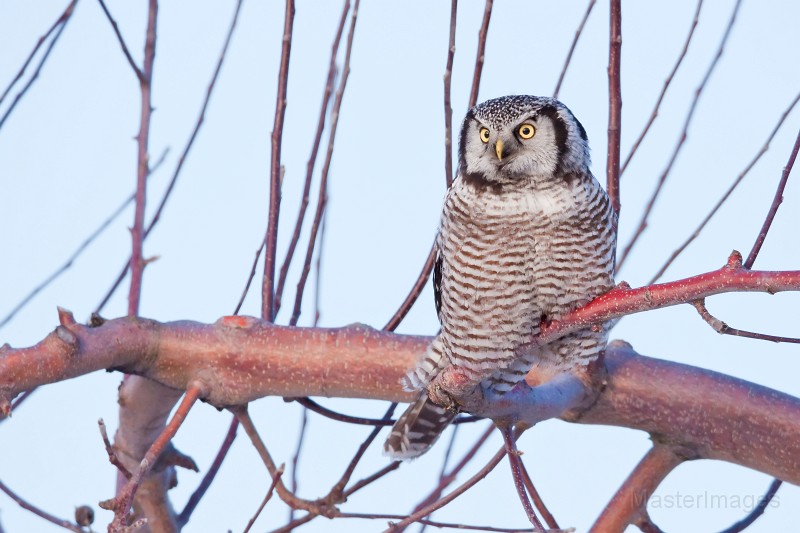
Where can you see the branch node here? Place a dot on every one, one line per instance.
(238, 321)
(734, 260)
(65, 317)
(67, 337)
(95, 321)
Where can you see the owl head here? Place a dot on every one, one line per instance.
(514, 138)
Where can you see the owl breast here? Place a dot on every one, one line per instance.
(513, 257)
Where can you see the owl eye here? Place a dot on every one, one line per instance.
(485, 135)
(526, 131)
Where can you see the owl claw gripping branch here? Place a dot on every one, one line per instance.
(527, 234)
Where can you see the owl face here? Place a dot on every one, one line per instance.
(513, 138)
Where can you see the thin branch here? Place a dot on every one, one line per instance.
(271, 238)
(448, 109)
(60, 23)
(727, 194)
(547, 516)
(267, 498)
(724, 329)
(125, 50)
(614, 103)
(250, 279)
(433, 523)
(200, 491)
(684, 134)
(184, 154)
(419, 515)
(121, 504)
(578, 33)
(414, 293)
(630, 501)
(292, 500)
(137, 261)
(514, 460)
(479, 58)
(296, 457)
(311, 405)
(667, 83)
(112, 456)
(773, 209)
(322, 197)
(66, 524)
(758, 510)
(312, 160)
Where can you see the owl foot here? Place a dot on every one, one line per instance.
(525, 405)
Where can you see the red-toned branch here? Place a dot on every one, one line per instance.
(642, 226)
(122, 502)
(630, 501)
(60, 23)
(322, 197)
(724, 329)
(323, 112)
(143, 163)
(38, 512)
(667, 83)
(727, 194)
(575, 39)
(414, 293)
(773, 209)
(271, 239)
(448, 109)
(614, 103)
(479, 58)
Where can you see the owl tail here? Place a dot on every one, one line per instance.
(417, 429)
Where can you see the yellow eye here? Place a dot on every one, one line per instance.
(485, 135)
(526, 131)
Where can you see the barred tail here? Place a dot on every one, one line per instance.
(417, 429)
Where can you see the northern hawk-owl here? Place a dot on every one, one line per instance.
(527, 234)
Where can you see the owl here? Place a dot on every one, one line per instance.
(527, 234)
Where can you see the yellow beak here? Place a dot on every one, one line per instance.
(498, 147)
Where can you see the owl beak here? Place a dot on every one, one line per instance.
(498, 147)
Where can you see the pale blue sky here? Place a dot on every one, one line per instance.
(67, 159)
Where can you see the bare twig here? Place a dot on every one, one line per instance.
(323, 112)
(271, 238)
(448, 109)
(482, 473)
(773, 209)
(667, 83)
(122, 502)
(630, 501)
(414, 293)
(184, 154)
(482, 34)
(433, 523)
(757, 511)
(663, 178)
(514, 460)
(310, 404)
(296, 457)
(322, 197)
(578, 33)
(66, 524)
(547, 516)
(145, 77)
(727, 194)
(112, 456)
(724, 329)
(268, 496)
(199, 492)
(614, 103)
(58, 26)
(125, 50)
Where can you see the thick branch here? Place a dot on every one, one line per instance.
(240, 359)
